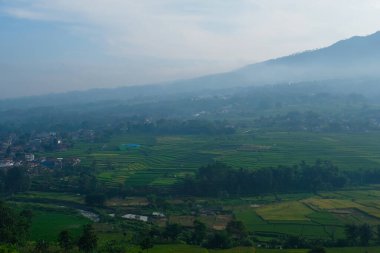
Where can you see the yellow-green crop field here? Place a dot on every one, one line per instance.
(292, 211)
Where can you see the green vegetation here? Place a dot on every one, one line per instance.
(292, 211)
(46, 225)
(162, 160)
(253, 171)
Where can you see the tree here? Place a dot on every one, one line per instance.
(8, 225)
(42, 246)
(112, 247)
(17, 180)
(199, 234)
(236, 228)
(158, 202)
(87, 183)
(146, 243)
(317, 250)
(96, 199)
(172, 231)
(2, 181)
(219, 240)
(88, 240)
(292, 242)
(352, 233)
(378, 233)
(24, 222)
(152, 199)
(365, 234)
(8, 249)
(13, 227)
(65, 240)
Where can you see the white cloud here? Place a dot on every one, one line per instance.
(215, 35)
(26, 14)
(228, 30)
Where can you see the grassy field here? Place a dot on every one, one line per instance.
(39, 196)
(162, 160)
(322, 216)
(292, 211)
(314, 225)
(47, 225)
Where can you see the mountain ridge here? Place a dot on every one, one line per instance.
(357, 57)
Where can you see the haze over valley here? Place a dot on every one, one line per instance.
(154, 126)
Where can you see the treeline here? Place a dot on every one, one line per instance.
(355, 235)
(68, 126)
(174, 126)
(15, 235)
(215, 180)
(311, 121)
(193, 113)
(218, 179)
(14, 226)
(235, 234)
(14, 180)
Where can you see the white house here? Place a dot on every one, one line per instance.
(6, 164)
(29, 157)
(135, 217)
(158, 214)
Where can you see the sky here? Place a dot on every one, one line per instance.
(51, 46)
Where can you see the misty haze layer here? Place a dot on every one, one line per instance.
(57, 45)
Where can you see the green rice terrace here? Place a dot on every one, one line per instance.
(167, 160)
(163, 160)
(123, 130)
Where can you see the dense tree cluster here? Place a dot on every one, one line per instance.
(358, 235)
(312, 121)
(218, 179)
(173, 126)
(198, 234)
(14, 227)
(325, 106)
(14, 180)
(95, 199)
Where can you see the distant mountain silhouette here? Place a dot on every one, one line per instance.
(357, 58)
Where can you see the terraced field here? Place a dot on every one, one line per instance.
(292, 210)
(163, 160)
(266, 230)
(322, 216)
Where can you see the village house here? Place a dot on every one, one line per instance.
(158, 214)
(29, 157)
(7, 163)
(135, 217)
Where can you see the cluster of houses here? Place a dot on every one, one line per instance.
(20, 151)
(6, 163)
(35, 166)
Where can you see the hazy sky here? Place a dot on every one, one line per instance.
(60, 45)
